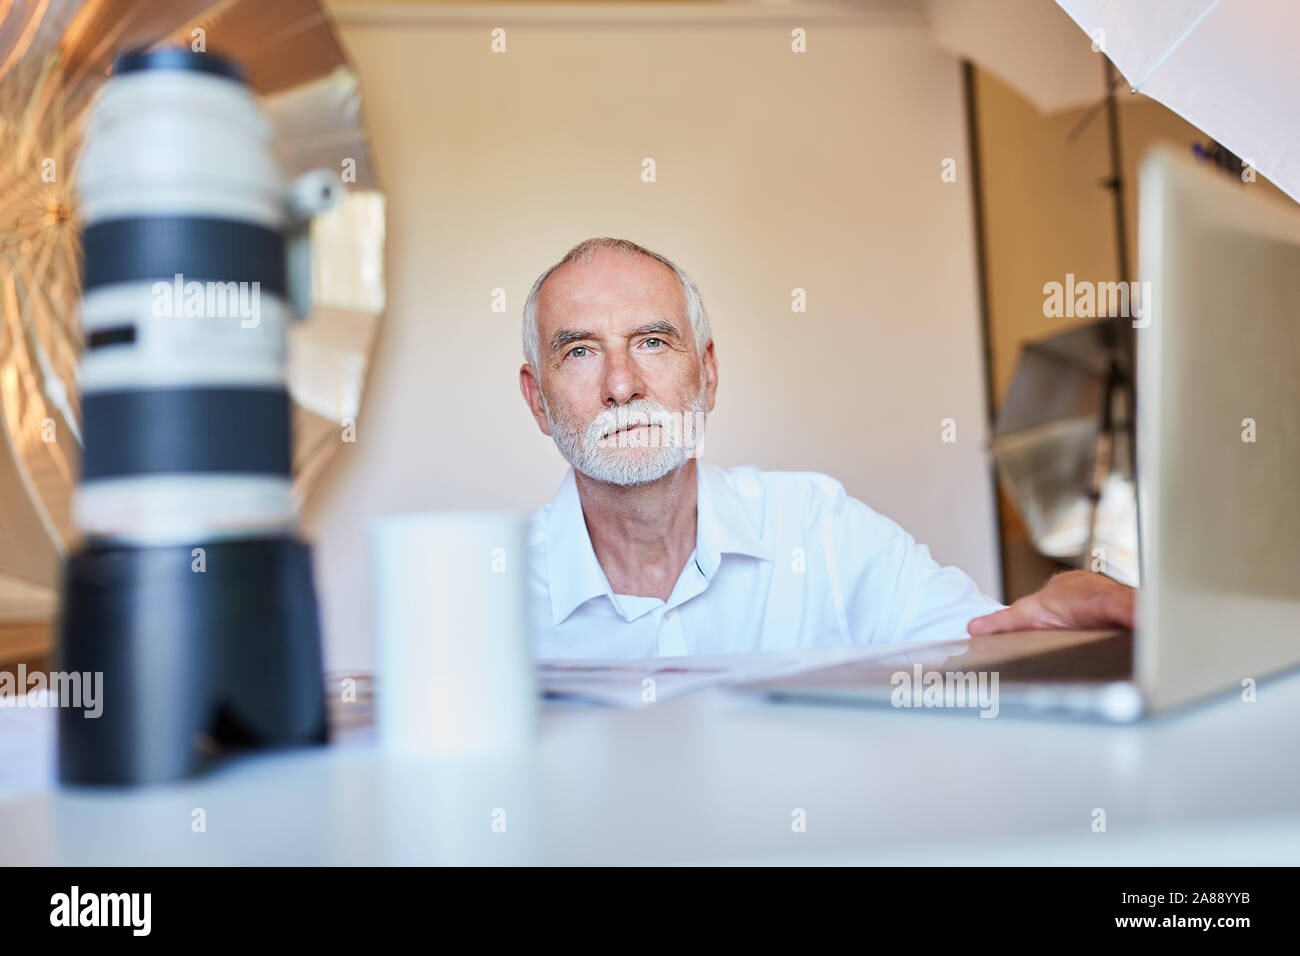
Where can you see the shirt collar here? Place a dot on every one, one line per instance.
(724, 527)
(572, 571)
(575, 576)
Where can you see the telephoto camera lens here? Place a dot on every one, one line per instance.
(191, 594)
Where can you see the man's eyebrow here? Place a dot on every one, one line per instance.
(660, 327)
(564, 336)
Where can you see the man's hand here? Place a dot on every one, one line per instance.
(1078, 600)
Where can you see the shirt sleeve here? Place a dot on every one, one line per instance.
(887, 588)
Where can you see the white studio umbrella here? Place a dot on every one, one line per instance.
(1228, 67)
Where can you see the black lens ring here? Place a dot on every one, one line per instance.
(176, 58)
(191, 429)
(199, 249)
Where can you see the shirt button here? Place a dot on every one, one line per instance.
(670, 617)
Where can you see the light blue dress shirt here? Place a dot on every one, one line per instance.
(782, 560)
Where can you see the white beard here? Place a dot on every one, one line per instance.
(637, 458)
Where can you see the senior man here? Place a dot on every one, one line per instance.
(649, 551)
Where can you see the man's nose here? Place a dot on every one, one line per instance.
(623, 381)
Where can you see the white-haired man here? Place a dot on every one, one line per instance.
(648, 551)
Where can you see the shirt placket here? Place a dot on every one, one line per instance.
(672, 635)
(672, 640)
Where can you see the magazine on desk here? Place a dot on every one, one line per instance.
(633, 683)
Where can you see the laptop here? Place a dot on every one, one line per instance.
(1218, 478)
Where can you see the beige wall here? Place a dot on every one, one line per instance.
(775, 171)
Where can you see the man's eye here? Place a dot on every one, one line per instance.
(648, 341)
(576, 349)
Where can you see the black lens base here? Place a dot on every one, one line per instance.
(200, 651)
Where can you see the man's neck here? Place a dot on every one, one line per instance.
(642, 534)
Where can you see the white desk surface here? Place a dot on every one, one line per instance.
(715, 778)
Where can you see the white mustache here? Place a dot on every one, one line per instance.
(643, 412)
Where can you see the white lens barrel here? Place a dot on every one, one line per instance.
(141, 335)
(186, 415)
(178, 509)
(169, 142)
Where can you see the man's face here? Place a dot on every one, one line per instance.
(620, 385)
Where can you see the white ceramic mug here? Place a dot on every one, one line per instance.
(455, 671)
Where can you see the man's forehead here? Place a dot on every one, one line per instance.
(609, 282)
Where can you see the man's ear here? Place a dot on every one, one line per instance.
(710, 360)
(532, 392)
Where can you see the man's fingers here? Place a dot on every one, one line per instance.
(999, 622)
